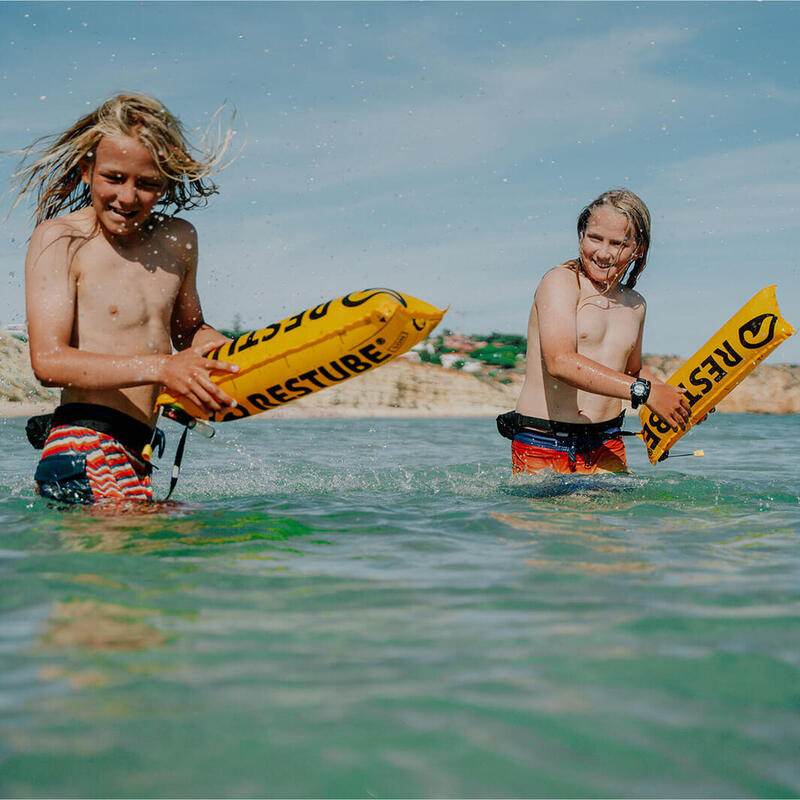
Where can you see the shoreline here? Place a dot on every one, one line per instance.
(9, 410)
(406, 389)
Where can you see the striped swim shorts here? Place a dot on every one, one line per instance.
(82, 465)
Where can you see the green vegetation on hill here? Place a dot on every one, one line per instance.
(499, 350)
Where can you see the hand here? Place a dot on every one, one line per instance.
(670, 403)
(188, 373)
(210, 339)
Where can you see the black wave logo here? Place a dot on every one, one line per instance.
(349, 302)
(758, 331)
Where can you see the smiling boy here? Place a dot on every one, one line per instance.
(585, 349)
(110, 288)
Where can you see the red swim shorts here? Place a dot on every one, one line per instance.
(608, 456)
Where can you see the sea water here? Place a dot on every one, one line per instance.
(374, 608)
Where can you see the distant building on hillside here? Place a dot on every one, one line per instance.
(461, 343)
(449, 360)
(424, 347)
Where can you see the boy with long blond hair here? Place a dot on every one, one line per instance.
(111, 288)
(585, 349)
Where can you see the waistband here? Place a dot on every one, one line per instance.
(567, 442)
(129, 432)
(512, 423)
(572, 428)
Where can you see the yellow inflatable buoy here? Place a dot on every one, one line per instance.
(720, 365)
(314, 349)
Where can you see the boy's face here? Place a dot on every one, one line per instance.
(125, 185)
(607, 246)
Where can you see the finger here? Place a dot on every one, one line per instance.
(207, 399)
(213, 345)
(221, 366)
(217, 393)
(199, 389)
(198, 395)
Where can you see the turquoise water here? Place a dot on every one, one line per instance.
(372, 608)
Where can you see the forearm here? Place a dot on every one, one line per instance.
(584, 373)
(202, 338)
(206, 338)
(648, 375)
(69, 366)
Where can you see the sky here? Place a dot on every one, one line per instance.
(445, 149)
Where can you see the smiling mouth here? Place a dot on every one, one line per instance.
(123, 214)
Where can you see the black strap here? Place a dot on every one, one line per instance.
(176, 467)
(512, 422)
(159, 440)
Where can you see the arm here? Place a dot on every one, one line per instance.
(194, 338)
(557, 307)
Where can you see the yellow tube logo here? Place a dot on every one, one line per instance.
(314, 349)
(719, 366)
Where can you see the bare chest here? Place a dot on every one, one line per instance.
(124, 291)
(604, 324)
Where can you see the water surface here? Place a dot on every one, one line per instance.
(359, 608)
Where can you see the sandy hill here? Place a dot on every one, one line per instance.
(407, 389)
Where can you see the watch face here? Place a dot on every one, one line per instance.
(639, 389)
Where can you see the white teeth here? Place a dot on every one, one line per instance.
(126, 214)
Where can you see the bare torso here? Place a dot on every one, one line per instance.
(124, 301)
(607, 330)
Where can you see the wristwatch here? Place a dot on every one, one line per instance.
(640, 391)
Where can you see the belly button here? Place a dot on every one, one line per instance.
(113, 310)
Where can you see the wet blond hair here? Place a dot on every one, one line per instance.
(51, 166)
(633, 208)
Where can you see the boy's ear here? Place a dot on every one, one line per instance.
(86, 170)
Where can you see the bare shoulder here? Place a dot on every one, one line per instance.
(62, 235)
(176, 229)
(632, 299)
(51, 230)
(559, 281)
(179, 237)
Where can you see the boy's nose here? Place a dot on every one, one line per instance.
(603, 253)
(126, 194)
